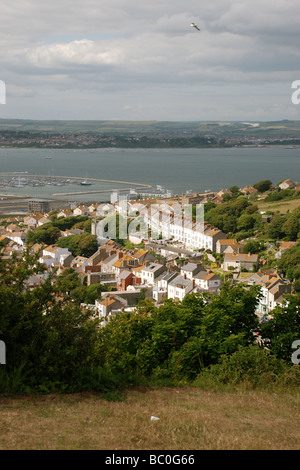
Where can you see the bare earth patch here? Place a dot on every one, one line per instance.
(190, 419)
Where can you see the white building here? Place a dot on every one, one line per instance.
(208, 280)
(151, 272)
(179, 287)
(170, 224)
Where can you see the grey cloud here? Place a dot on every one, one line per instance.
(140, 56)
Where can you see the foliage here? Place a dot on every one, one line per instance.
(250, 366)
(283, 328)
(53, 343)
(274, 229)
(180, 338)
(253, 246)
(46, 233)
(47, 340)
(80, 245)
(289, 263)
(263, 185)
(280, 194)
(285, 226)
(233, 216)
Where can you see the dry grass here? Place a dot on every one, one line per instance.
(190, 419)
(281, 206)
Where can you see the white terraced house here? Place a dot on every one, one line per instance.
(193, 235)
(179, 287)
(151, 272)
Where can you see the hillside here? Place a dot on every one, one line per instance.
(190, 419)
(279, 129)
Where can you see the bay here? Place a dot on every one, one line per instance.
(177, 170)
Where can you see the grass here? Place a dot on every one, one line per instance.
(280, 206)
(190, 419)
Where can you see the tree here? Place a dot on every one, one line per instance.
(67, 281)
(263, 185)
(45, 234)
(283, 328)
(289, 262)
(246, 222)
(179, 339)
(80, 245)
(235, 190)
(296, 286)
(87, 245)
(275, 229)
(47, 340)
(253, 246)
(291, 226)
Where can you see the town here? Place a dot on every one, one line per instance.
(164, 256)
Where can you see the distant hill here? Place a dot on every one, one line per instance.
(146, 134)
(280, 129)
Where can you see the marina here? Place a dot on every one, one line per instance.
(29, 173)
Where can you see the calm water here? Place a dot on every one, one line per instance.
(175, 169)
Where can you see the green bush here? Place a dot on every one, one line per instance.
(251, 366)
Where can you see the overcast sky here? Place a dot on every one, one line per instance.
(141, 60)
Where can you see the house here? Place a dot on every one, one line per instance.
(249, 190)
(283, 247)
(107, 305)
(93, 207)
(73, 231)
(32, 220)
(33, 281)
(287, 184)
(42, 221)
(236, 262)
(124, 262)
(107, 263)
(137, 271)
(12, 228)
(221, 193)
(273, 289)
(53, 255)
(81, 210)
(4, 240)
(143, 255)
(160, 292)
(151, 272)
(55, 251)
(217, 200)
(126, 278)
(79, 263)
(179, 287)
(65, 213)
(113, 302)
(18, 237)
(208, 280)
(65, 260)
(223, 244)
(98, 256)
(189, 270)
(169, 222)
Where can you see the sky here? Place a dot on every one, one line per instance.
(140, 60)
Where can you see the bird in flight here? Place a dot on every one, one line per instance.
(195, 26)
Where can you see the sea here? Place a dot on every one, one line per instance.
(176, 170)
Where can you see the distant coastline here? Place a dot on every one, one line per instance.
(18, 133)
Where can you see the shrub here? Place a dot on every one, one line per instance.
(251, 366)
